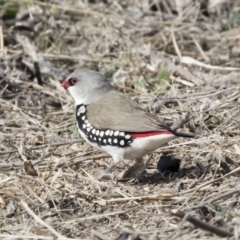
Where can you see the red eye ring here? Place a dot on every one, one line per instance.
(72, 81)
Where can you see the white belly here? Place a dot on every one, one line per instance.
(138, 148)
(142, 146)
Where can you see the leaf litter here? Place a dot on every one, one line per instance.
(178, 60)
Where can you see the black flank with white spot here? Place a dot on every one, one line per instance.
(101, 137)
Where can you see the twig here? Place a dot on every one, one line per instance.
(68, 162)
(192, 61)
(25, 236)
(56, 144)
(6, 180)
(200, 224)
(194, 190)
(185, 73)
(29, 178)
(175, 44)
(213, 181)
(10, 166)
(74, 10)
(140, 198)
(72, 161)
(182, 120)
(40, 221)
(45, 146)
(82, 58)
(100, 215)
(29, 116)
(38, 73)
(205, 57)
(46, 155)
(1, 40)
(222, 196)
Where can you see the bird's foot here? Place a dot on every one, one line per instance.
(135, 171)
(105, 176)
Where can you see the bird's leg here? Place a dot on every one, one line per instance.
(116, 160)
(139, 160)
(136, 170)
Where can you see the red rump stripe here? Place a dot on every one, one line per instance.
(149, 134)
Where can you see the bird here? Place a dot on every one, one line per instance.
(112, 122)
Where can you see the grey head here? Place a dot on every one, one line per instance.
(87, 86)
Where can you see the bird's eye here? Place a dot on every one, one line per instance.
(72, 81)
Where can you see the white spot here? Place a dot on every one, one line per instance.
(97, 132)
(89, 125)
(115, 140)
(99, 139)
(104, 140)
(86, 121)
(94, 131)
(84, 126)
(83, 117)
(111, 133)
(102, 133)
(116, 133)
(88, 129)
(90, 136)
(109, 140)
(122, 142)
(122, 134)
(82, 109)
(95, 138)
(128, 136)
(107, 132)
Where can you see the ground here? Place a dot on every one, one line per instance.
(178, 61)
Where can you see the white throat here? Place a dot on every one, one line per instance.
(78, 96)
(79, 101)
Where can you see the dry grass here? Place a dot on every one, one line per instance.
(173, 64)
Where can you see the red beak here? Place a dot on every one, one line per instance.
(65, 84)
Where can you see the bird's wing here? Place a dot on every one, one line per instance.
(117, 112)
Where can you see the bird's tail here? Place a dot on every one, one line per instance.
(180, 134)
